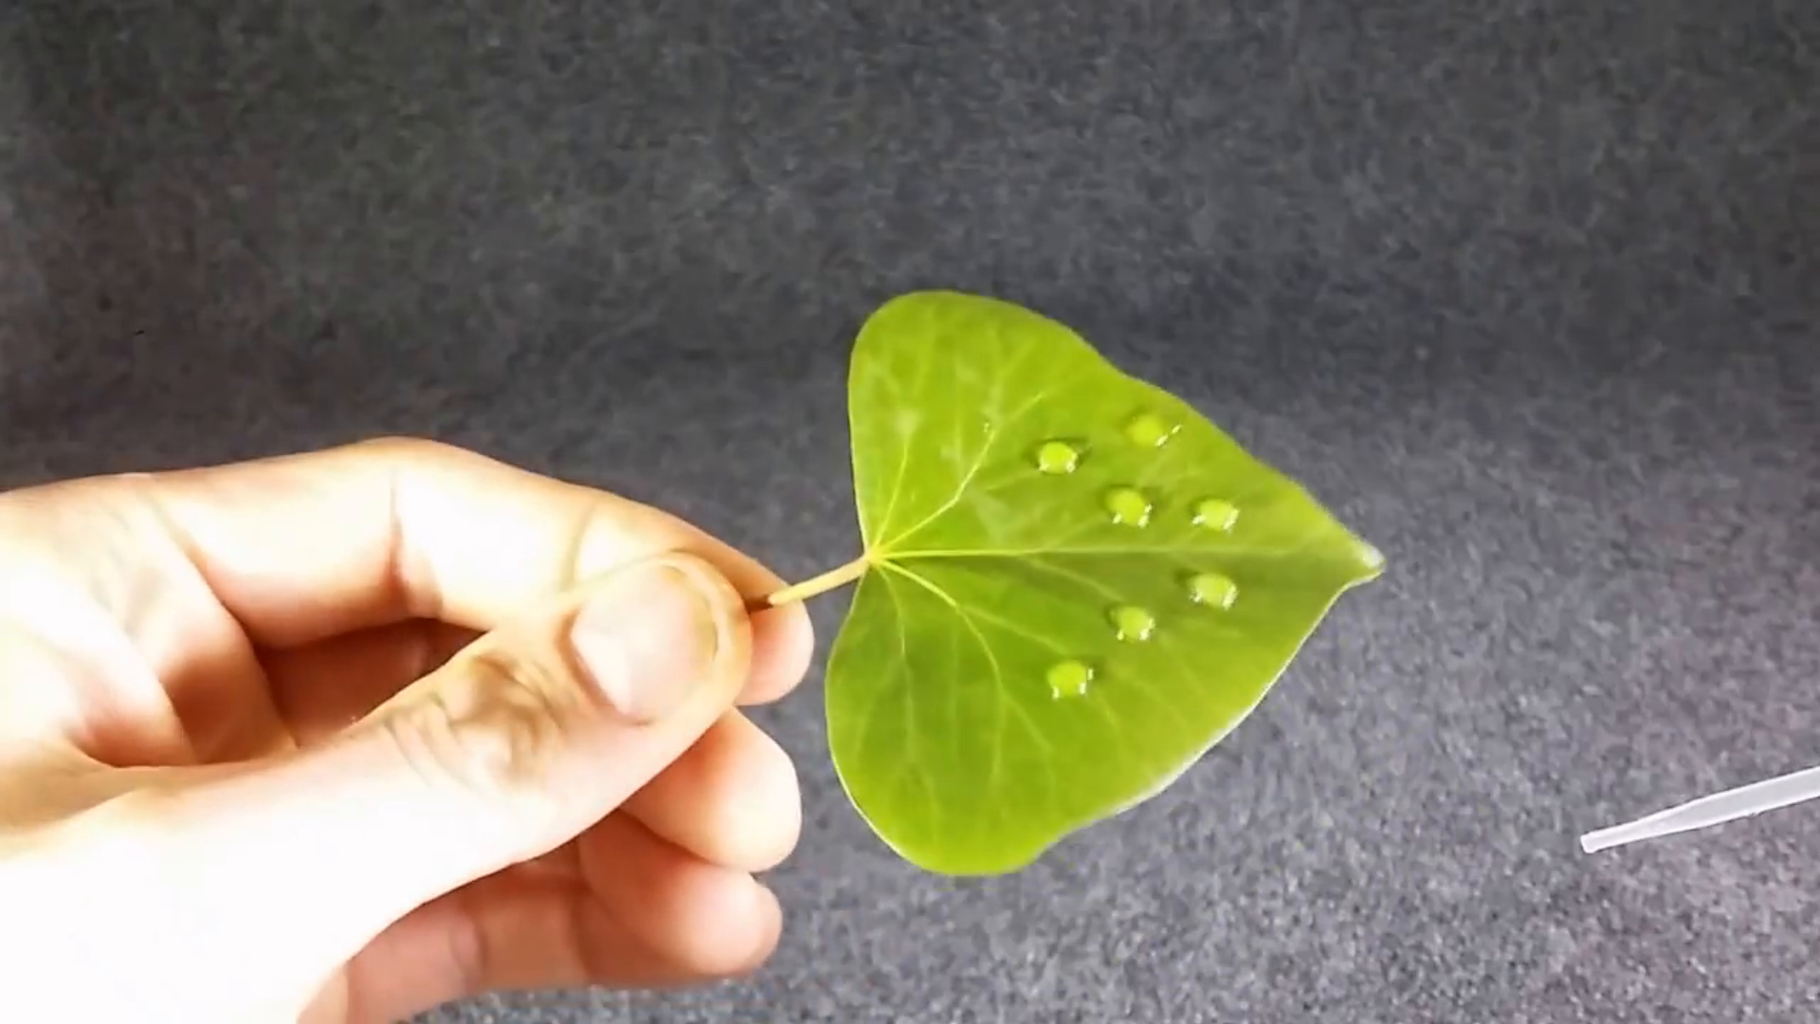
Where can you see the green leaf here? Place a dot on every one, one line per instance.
(1073, 584)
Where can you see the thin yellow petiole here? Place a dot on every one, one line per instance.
(839, 576)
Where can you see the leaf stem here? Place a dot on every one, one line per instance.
(839, 576)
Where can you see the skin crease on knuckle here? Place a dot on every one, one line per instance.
(488, 724)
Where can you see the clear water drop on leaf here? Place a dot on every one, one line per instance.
(981, 576)
(1128, 506)
(1069, 678)
(1216, 514)
(1132, 623)
(1147, 430)
(1212, 588)
(1057, 457)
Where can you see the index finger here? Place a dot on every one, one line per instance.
(301, 547)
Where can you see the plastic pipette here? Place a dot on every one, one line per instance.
(1708, 811)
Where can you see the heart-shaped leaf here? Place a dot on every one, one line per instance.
(1073, 584)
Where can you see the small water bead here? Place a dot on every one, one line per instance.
(1133, 623)
(1210, 588)
(1069, 678)
(1216, 514)
(1057, 457)
(1128, 506)
(1148, 430)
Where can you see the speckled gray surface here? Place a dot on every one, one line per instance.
(1526, 290)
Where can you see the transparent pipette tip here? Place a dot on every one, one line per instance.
(1707, 811)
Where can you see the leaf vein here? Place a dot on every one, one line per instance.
(998, 672)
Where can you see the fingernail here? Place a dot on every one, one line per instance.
(648, 638)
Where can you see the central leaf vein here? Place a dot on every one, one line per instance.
(1160, 549)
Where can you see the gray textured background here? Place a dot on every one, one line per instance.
(1526, 290)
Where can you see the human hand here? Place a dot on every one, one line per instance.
(306, 739)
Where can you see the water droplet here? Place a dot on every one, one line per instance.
(1216, 514)
(1148, 430)
(1133, 623)
(1128, 506)
(1212, 589)
(1057, 457)
(1069, 678)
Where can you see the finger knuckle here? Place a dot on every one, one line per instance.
(493, 729)
(409, 448)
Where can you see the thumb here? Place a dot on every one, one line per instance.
(527, 737)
